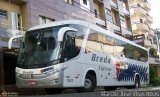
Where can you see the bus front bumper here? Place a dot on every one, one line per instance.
(53, 81)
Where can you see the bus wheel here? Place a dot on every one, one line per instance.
(137, 82)
(53, 91)
(89, 84)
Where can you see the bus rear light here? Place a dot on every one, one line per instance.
(32, 83)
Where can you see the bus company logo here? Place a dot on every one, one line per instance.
(119, 66)
(97, 58)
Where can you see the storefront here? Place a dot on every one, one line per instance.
(8, 58)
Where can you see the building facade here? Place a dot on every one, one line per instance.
(13, 21)
(143, 34)
(16, 16)
(110, 14)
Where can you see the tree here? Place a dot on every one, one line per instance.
(153, 52)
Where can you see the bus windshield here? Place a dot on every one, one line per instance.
(39, 47)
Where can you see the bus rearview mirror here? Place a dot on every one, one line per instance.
(12, 38)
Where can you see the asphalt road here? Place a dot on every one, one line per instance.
(122, 92)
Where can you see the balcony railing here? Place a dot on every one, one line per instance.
(110, 26)
(114, 4)
(154, 60)
(147, 43)
(151, 32)
(149, 19)
(100, 21)
(140, 27)
(126, 11)
(146, 6)
(126, 31)
(8, 31)
(135, 10)
(117, 28)
(101, 1)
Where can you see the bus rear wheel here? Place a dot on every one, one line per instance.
(137, 82)
(89, 84)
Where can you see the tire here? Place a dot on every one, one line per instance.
(109, 88)
(137, 83)
(89, 84)
(53, 91)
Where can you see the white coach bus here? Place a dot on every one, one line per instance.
(78, 54)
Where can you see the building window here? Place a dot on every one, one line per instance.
(138, 5)
(141, 21)
(108, 11)
(96, 13)
(69, 1)
(16, 21)
(150, 40)
(85, 2)
(3, 14)
(43, 20)
(109, 15)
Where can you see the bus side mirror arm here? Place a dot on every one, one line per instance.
(62, 32)
(12, 38)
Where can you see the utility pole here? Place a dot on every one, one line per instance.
(158, 48)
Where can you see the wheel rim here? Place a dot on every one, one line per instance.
(137, 85)
(87, 83)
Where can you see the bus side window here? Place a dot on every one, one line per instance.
(68, 48)
(71, 50)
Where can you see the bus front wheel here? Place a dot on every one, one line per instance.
(89, 84)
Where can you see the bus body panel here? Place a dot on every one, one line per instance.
(111, 70)
(43, 77)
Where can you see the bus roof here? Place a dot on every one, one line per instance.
(58, 23)
(84, 23)
(93, 26)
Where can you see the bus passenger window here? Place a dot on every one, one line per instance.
(71, 50)
(72, 46)
(68, 47)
